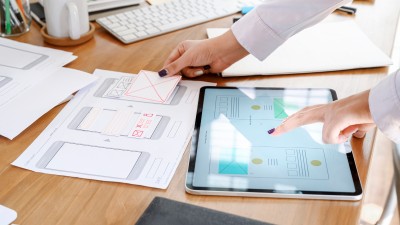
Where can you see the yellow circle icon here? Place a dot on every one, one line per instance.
(257, 161)
(255, 107)
(316, 163)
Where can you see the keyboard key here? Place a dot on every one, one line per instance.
(125, 32)
(131, 25)
(157, 24)
(113, 25)
(118, 29)
(141, 33)
(105, 21)
(129, 37)
(121, 17)
(181, 23)
(152, 30)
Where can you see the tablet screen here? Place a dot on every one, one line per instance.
(232, 150)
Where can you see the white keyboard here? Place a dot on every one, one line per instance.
(154, 20)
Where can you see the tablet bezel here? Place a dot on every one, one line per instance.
(356, 195)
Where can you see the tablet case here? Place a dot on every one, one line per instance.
(163, 211)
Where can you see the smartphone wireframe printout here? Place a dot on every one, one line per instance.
(32, 72)
(232, 153)
(114, 138)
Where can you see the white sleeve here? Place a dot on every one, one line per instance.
(384, 104)
(270, 24)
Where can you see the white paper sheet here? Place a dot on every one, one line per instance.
(92, 137)
(327, 46)
(28, 106)
(32, 82)
(7, 215)
(23, 66)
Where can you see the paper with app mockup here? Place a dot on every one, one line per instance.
(27, 107)
(33, 81)
(102, 135)
(148, 86)
(23, 65)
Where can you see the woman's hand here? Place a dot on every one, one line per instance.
(195, 58)
(341, 118)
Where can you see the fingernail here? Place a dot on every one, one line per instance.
(199, 72)
(271, 131)
(163, 73)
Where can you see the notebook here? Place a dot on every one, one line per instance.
(327, 46)
(163, 211)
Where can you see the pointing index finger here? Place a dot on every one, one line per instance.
(307, 115)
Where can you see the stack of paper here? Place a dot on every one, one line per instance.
(124, 128)
(7, 215)
(327, 46)
(32, 81)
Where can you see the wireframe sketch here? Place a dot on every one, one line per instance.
(4, 80)
(120, 123)
(248, 155)
(26, 59)
(262, 108)
(271, 162)
(94, 160)
(117, 89)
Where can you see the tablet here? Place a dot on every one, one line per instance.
(232, 153)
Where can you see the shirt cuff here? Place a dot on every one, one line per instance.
(262, 41)
(384, 104)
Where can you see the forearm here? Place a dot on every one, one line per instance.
(266, 27)
(384, 104)
(227, 49)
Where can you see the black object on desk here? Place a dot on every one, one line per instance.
(163, 211)
(235, 19)
(37, 13)
(347, 9)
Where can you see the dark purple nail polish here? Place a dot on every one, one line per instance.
(271, 131)
(206, 67)
(163, 73)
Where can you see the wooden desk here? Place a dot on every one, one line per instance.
(48, 199)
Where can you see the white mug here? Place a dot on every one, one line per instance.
(66, 18)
